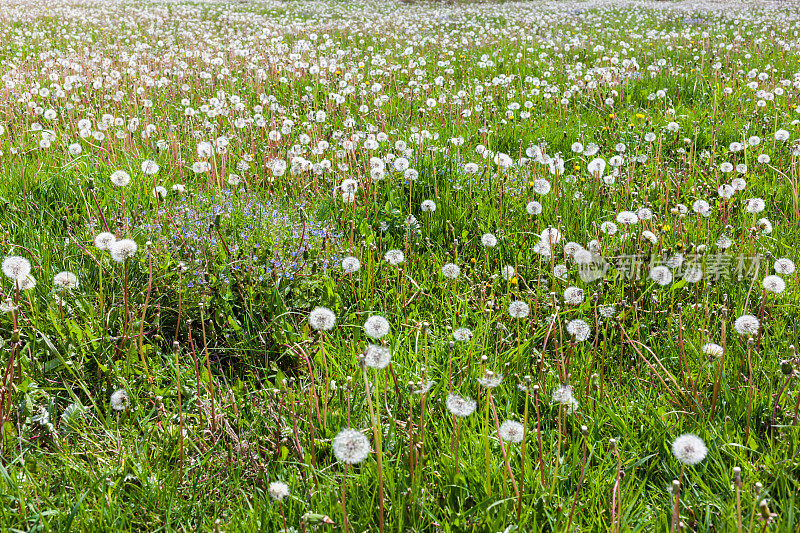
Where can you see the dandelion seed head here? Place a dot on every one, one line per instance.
(394, 257)
(518, 309)
(451, 271)
(350, 264)
(661, 275)
(119, 400)
(65, 280)
(489, 240)
(376, 326)
(712, 349)
(16, 267)
(689, 449)
(120, 178)
(784, 266)
(746, 325)
(351, 446)
(534, 208)
(104, 240)
(490, 380)
(579, 329)
(377, 356)
(774, 284)
(321, 319)
(462, 334)
(563, 396)
(511, 431)
(123, 249)
(278, 490)
(573, 295)
(461, 406)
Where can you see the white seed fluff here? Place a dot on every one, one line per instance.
(689, 449)
(351, 446)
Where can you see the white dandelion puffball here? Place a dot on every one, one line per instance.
(321, 319)
(689, 449)
(541, 186)
(573, 295)
(754, 205)
(563, 396)
(774, 284)
(661, 275)
(511, 431)
(462, 334)
(119, 400)
(781, 135)
(104, 240)
(16, 267)
(149, 167)
(550, 236)
(27, 283)
(627, 217)
(66, 280)
(351, 446)
(278, 490)
(693, 274)
(579, 329)
(596, 167)
(394, 257)
(609, 228)
(123, 249)
(507, 272)
(120, 178)
(350, 264)
(377, 356)
(461, 406)
(451, 270)
(712, 349)
(784, 266)
(488, 240)
(490, 380)
(534, 208)
(376, 326)
(746, 325)
(428, 206)
(518, 309)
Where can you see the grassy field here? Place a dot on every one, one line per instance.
(384, 266)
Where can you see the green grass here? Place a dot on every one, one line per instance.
(225, 378)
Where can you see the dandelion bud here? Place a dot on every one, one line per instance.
(584, 431)
(751, 342)
(484, 358)
(763, 508)
(175, 347)
(676, 486)
(90, 184)
(792, 351)
(758, 487)
(786, 368)
(15, 335)
(737, 476)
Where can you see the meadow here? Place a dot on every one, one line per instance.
(399, 266)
